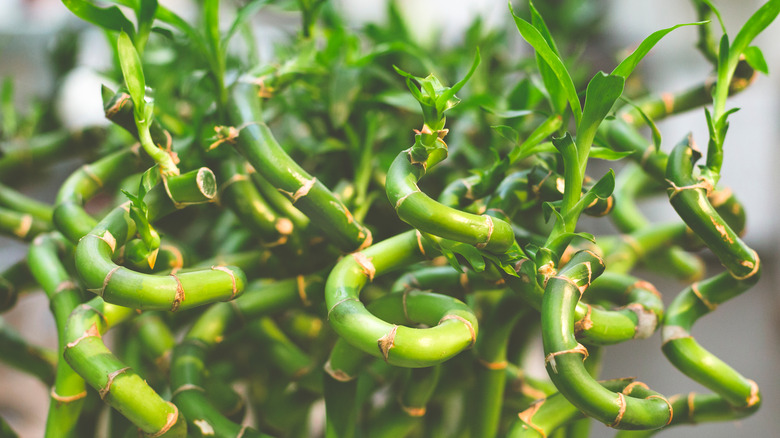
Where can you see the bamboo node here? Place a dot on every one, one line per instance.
(420, 246)
(387, 342)
(748, 264)
(107, 279)
(103, 392)
(242, 431)
(754, 397)
(630, 387)
(172, 418)
(695, 289)
(302, 191)
(490, 226)
(232, 278)
(65, 285)
(179, 296)
(646, 321)
(64, 399)
(414, 411)
(464, 321)
(87, 169)
(91, 332)
(365, 264)
(671, 410)
(674, 189)
(109, 239)
(25, 225)
(186, 387)
(550, 358)
(668, 100)
(643, 285)
(367, 241)
(671, 332)
(621, 402)
(495, 366)
(339, 375)
(333, 307)
(526, 417)
(586, 323)
(403, 198)
(691, 402)
(300, 281)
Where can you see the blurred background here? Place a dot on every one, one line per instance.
(745, 332)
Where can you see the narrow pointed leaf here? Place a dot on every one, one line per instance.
(602, 93)
(755, 58)
(532, 36)
(132, 71)
(628, 65)
(110, 18)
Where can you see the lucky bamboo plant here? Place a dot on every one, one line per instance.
(313, 228)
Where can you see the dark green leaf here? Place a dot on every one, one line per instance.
(510, 113)
(607, 154)
(754, 26)
(146, 12)
(447, 99)
(602, 93)
(149, 179)
(755, 58)
(716, 12)
(537, 41)
(132, 72)
(605, 186)
(508, 133)
(555, 91)
(627, 66)
(110, 18)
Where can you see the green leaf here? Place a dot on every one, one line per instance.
(146, 12)
(608, 154)
(507, 132)
(555, 90)
(132, 72)
(716, 12)
(149, 179)
(602, 93)
(243, 15)
(509, 114)
(754, 26)
(532, 35)
(650, 123)
(627, 66)
(447, 99)
(605, 186)
(755, 58)
(110, 18)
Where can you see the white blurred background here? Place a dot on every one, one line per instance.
(745, 332)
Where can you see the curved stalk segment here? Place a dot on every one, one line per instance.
(31, 359)
(13, 200)
(119, 285)
(453, 325)
(258, 145)
(565, 355)
(420, 211)
(14, 280)
(22, 226)
(118, 385)
(69, 390)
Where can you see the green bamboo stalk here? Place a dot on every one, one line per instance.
(453, 326)
(155, 337)
(22, 226)
(549, 414)
(34, 360)
(119, 285)
(691, 409)
(241, 195)
(688, 195)
(68, 392)
(565, 356)
(545, 185)
(491, 363)
(69, 215)
(286, 357)
(13, 200)
(258, 145)
(118, 385)
(693, 360)
(420, 211)
(402, 416)
(340, 387)
(19, 157)
(657, 107)
(13, 281)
